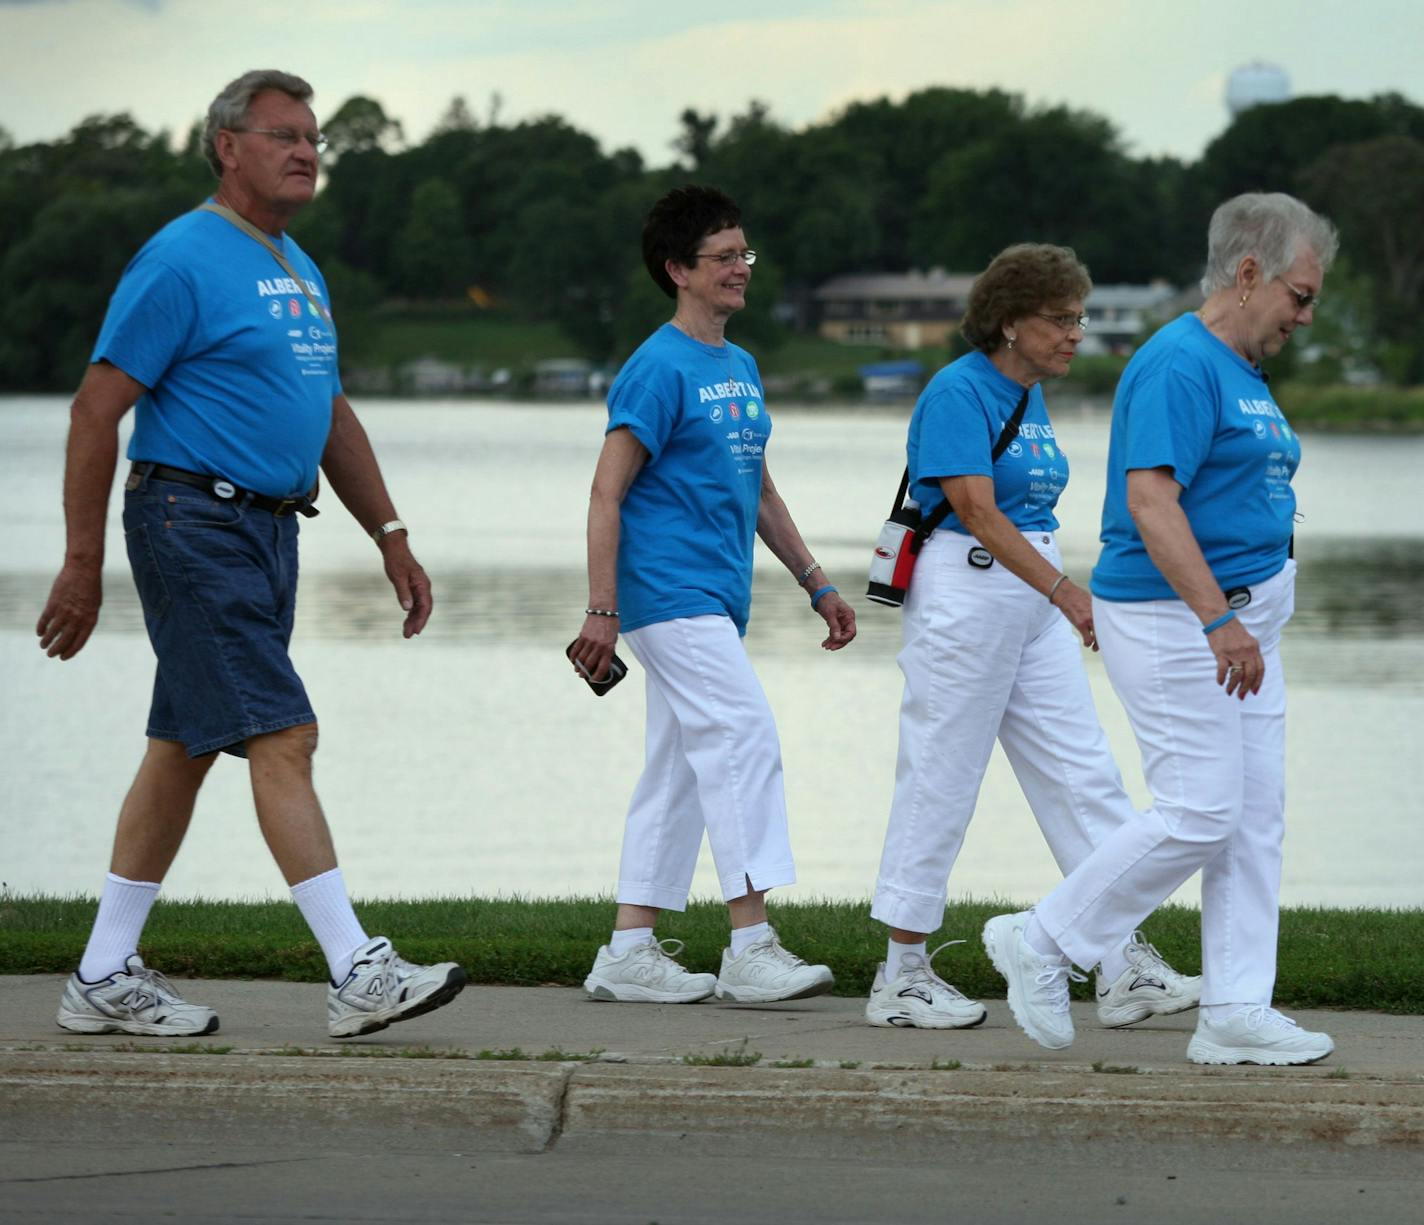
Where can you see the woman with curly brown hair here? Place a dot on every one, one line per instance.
(988, 645)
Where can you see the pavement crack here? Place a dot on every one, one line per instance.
(561, 1105)
(169, 1169)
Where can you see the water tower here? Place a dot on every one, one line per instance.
(1255, 84)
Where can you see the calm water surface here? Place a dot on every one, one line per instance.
(471, 761)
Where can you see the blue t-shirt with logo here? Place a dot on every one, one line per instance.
(1190, 403)
(240, 367)
(688, 521)
(958, 419)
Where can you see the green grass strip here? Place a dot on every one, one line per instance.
(1363, 958)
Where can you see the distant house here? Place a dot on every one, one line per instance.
(1120, 314)
(895, 310)
(892, 380)
(430, 376)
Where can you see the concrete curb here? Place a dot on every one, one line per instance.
(528, 1106)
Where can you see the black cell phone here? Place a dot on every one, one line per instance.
(617, 670)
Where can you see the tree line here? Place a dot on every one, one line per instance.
(536, 220)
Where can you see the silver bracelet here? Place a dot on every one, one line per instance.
(1057, 583)
(807, 573)
(601, 612)
(395, 525)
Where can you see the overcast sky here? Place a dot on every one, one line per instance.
(624, 69)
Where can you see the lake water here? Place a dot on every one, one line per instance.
(472, 761)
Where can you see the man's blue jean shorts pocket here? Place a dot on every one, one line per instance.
(218, 584)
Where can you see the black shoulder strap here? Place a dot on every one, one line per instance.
(1006, 436)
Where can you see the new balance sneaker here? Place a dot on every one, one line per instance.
(383, 988)
(646, 974)
(918, 998)
(767, 971)
(1256, 1034)
(136, 1000)
(1149, 987)
(1038, 986)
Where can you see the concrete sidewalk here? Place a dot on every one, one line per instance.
(566, 1066)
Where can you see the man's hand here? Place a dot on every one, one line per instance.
(411, 582)
(839, 618)
(72, 611)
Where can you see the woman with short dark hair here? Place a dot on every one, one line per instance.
(1190, 594)
(680, 492)
(988, 645)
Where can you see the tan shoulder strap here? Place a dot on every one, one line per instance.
(242, 223)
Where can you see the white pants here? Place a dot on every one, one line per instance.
(1216, 767)
(713, 762)
(987, 656)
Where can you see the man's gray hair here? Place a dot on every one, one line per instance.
(1273, 227)
(229, 108)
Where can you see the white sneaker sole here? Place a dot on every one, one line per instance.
(997, 931)
(1117, 1020)
(632, 993)
(370, 1022)
(905, 1018)
(88, 1023)
(771, 995)
(1199, 1051)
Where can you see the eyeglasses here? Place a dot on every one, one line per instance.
(728, 258)
(1304, 299)
(1066, 323)
(288, 137)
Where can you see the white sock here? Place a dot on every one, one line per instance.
(744, 937)
(894, 950)
(123, 910)
(327, 910)
(1040, 941)
(629, 938)
(1114, 966)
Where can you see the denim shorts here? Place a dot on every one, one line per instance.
(218, 583)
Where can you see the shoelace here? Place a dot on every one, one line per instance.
(160, 984)
(664, 952)
(1258, 1016)
(923, 972)
(1144, 956)
(1055, 978)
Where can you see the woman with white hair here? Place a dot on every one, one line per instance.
(1190, 594)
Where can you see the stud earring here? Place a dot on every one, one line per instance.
(1014, 338)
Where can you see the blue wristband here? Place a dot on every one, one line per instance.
(822, 591)
(1228, 615)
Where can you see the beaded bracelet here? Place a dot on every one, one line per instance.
(601, 612)
(820, 592)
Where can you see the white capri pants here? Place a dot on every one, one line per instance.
(986, 656)
(713, 762)
(1216, 767)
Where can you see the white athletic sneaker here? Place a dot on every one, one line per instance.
(918, 998)
(136, 1000)
(767, 971)
(1149, 987)
(1038, 986)
(1256, 1034)
(646, 974)
(383, 988)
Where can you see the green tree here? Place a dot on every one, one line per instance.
(1372, 191)
(433, 257)
(359, 125)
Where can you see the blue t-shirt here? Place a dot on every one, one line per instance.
(688, 522)
(240, 367)
(1190, 403)
(958, 419)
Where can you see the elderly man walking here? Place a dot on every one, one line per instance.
(221, 333)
